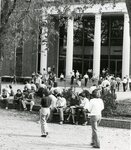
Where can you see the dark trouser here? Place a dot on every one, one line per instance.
(113, 91)
(80, 111)
(86, 81)
(19, 103)
(130, 86)
(118, 86)
(5, 102)
(52, 110)
(124, 87)
(95, 120)
(72, 80)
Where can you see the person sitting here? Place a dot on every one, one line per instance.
(82, 108)
(33, 86)
(42, 85)
(53, 104)
(28, 98)
(72, 105)
(60, 106)
(18, 97)
(28, 85)
(5, 98)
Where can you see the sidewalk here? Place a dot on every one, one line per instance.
(19, 131)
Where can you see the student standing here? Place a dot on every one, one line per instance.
(45, 112)
(96, 106)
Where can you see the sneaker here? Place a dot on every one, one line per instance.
(76, 123)
(61, 122)
(6, 108)
(96, 146)
(30, 110)
(85, 123)
(25, 108)
(44, 135)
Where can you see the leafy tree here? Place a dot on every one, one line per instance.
(20, 19)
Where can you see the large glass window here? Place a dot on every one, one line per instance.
(111, 43)
(117, 31)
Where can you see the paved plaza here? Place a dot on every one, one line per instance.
(20, 131)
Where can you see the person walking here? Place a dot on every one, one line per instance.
(113, 85)
(45, 112)
(125, 84)
(118, 80)
(96, 106)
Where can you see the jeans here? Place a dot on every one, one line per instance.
(95, 120)
(124, 87)
(25, 102)
(44, 115)
(61, 113)
(79, 112)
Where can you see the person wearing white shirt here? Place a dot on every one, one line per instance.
(5, 98)
(42, 85)
(82, 108)
(96, 106)
(28, 85)
(52, 106)
(92, 88)
(125, 83)
(61, 105)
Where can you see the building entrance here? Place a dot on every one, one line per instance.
(111, 44)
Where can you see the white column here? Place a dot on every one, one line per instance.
(97, 46)
(126, 47)
(69, 50)
(43, 60)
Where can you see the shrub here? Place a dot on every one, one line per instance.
(109, 104)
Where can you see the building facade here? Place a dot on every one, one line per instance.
(89, 36)
(97, 38)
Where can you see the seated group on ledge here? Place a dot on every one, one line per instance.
(74, 105)
(20, 99)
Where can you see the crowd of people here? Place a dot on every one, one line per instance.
(78, 106)
(82, 104)
(55, 99)
(105, 79)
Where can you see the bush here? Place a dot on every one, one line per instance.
(109, 104)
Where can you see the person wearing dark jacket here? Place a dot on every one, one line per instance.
(45, 112)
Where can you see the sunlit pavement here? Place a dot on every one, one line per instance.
(19, 131)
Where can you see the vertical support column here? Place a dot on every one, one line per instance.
(97, 46)
(126, 47)
(43, 60)
(69, 50)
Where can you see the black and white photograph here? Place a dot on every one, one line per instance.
(65, 74)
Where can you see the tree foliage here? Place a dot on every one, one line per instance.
(22, 19)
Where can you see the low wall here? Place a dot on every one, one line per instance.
(124, 107)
